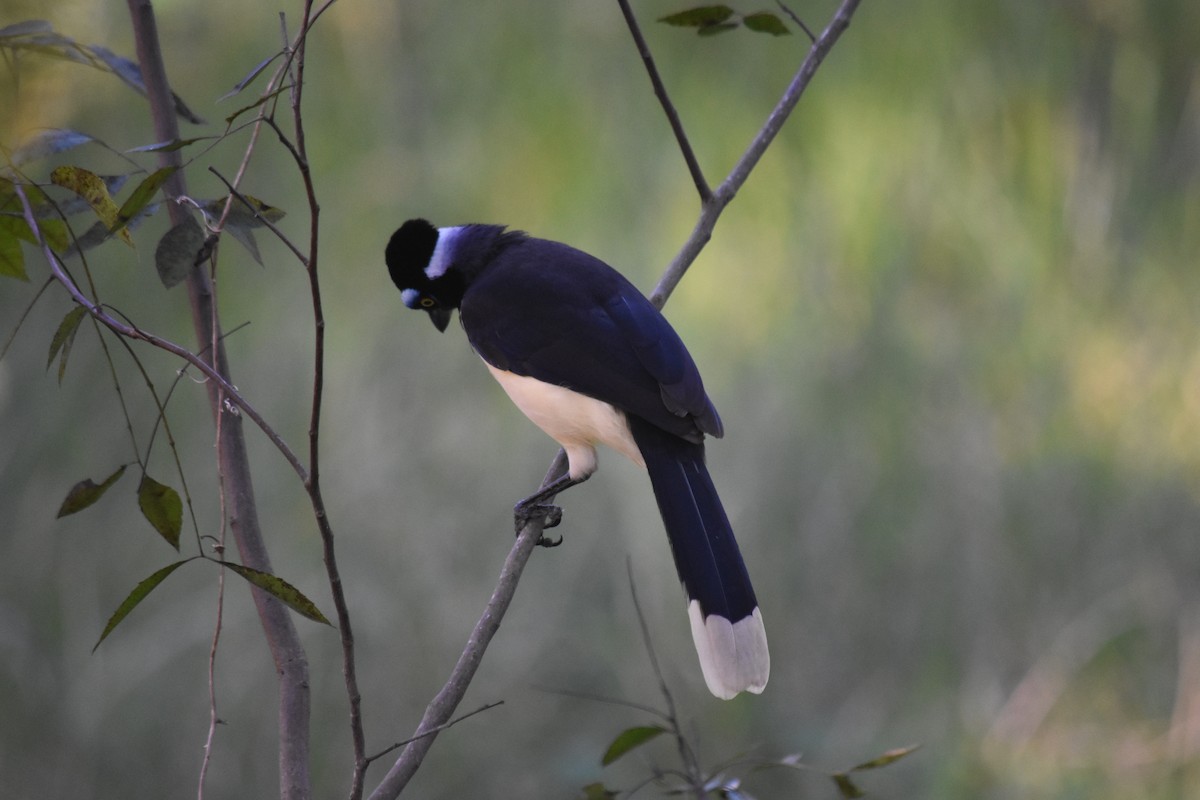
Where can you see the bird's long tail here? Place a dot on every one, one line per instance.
(727, 626)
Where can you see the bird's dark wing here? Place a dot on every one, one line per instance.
(560, 316)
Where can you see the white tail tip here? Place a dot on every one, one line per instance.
(733, 655)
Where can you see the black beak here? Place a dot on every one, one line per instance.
(440, 318)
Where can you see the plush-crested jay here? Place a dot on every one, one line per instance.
(590, 360)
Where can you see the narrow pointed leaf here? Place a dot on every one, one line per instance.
(162, 508)
(176, 253)
(597, 791)
(245, 237)
(64, 337)
(48, 143)
(264, 99)
(629, 739)
(87, 492)
(699, 17)
(713, 30)
(846, 787)
(246, 81)
(766, 22)
(167, 147)
(279, 589)
(92, 188)
(12, 259)
(890, 757)
(142, 195)
(136, 596)
(249, 214)
(122, 67)
(26, 28)
(56, 234)
(77, 205)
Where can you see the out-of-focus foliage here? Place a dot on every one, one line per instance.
(950, 323)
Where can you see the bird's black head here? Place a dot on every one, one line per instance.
(421, 260)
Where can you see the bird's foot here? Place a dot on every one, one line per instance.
(549, 515)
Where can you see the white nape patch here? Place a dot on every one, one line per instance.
(439, 262)
(733, 656)
(410, 297)
(575, 421)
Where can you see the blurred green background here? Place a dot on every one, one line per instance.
(950, 323)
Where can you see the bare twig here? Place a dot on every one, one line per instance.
(432, 731)
(796, 19)
(660, 91)
(299, 152)
(213, 719)
(692, 774)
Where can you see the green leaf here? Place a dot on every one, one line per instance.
(170, 146)
(245, 237)
(846, 787)
(246, 81)
(162, 508)
(264, 99)
(138, 595)
(56, 234)
(279, 589)
(597, 791)
(629, 739)
(12, 259)
(766, 22)
(699, 17)
(248, 214)
(890, 757)
(64, 337)
(86, 492)
(142, 195)
(27, 27)
(243, 218)
(713, 30)
(92, 188)
(47, 143)
(176, 253)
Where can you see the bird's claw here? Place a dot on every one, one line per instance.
(550, 515)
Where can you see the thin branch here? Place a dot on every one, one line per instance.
(438, 729)
(709, 214)
(213, 719)
(660, 91)
(694, 776)
(611, 701)
(299, 152)
(796, 19)
(21, 320)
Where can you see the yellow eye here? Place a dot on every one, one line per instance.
(427, 302)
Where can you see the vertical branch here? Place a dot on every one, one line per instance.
(660, 91)
(299, 152)
(290, 660)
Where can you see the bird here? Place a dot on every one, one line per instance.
(590, 360)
